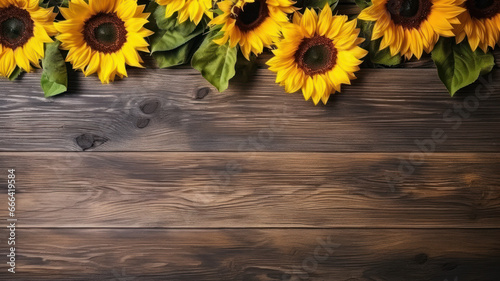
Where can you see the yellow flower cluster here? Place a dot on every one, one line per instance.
(319, 53)
(100, 35)
(103, 36)
(25, 27)
(315, 53)
(410, 27)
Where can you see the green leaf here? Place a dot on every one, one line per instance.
(457, 65)
(166, 40)
(366, 28)
(159, 17)
(15, 73)
(55, 75)
(382, 56)
(376, 55)
(64, 3)
(53, 3)
(218, 12)
(178, 56)
(363, 3)
(216, 63)
(320, 3)
(171, 33)
(245, 68)
(151, 9)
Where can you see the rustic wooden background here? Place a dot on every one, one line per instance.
(159, 177)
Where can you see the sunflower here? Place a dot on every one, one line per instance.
(410, 27)
(103, 35)
(317, 54)
(253, 24)
(24, 28)
(187, 9)
(481, 23)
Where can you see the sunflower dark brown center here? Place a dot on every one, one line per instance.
(105, 32)
(316, 55)
(483, 9)
(16, 27)
(251, 15)
(409, 13)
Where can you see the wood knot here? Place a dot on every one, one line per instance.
(421, 258)
(202, 93)
(142, 123)
(449, 266)
(149, 107)
(89, 141)
(474, 214)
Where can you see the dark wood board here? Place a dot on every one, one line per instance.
(266, 254)
(175, 110)
(215, 190)
(160, 177)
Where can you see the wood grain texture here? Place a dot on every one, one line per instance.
(176, 110)
(179, 182)
(272, 254)
(229, 190)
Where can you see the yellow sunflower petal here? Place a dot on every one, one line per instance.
(93, 53)
(27, 51)
(7, 63)
(252, 37)
(408, 37)
(317, 62)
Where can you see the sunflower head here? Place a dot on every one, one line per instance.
(24, 28)
(188, 9)
(317, 54)
(103, 35)
(409, 27)
(480, 23)
(252, 24)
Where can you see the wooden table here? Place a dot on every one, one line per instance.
(159, 177)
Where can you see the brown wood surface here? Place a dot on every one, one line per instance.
(264, 254)
(159, 177)
(226, 190)
(173, 110)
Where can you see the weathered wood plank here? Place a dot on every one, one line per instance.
(176, 110)
(271, 254)
(254, 190)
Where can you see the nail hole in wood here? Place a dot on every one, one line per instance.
(202, 93)
(150, 107)
(421, 258)
(449, 266)
(89, 141)
(142, 123)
